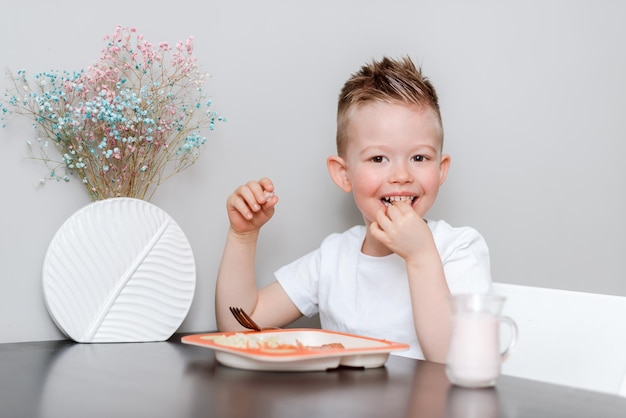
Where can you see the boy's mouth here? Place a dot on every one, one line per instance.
(395, 200)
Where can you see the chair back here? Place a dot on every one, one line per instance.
(566, 337)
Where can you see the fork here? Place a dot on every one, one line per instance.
(244, 319)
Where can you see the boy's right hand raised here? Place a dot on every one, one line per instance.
(251, 206)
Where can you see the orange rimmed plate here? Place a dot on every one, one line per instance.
(296, 349)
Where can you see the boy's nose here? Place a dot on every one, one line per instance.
(401, 174)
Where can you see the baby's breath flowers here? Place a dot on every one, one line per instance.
(134, 118)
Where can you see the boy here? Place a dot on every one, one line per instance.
(392, 277)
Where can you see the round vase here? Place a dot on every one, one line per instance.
(119, 270)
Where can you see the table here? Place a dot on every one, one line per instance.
(169, 379)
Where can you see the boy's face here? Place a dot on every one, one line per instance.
(393, 156)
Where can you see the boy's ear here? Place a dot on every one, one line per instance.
(339, 172)
(444, 165)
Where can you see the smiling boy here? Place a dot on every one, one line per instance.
(392, 277)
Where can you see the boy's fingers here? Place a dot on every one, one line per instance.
(267, 184)
(253, 197)
(238, 204)
(382, 218)
(259, 193)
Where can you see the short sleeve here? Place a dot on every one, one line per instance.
(299, 280)
(465, 257)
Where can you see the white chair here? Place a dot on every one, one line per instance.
(570, 338)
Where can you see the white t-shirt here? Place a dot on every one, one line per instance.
(369, 296)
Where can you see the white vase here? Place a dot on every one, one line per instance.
(119, 270)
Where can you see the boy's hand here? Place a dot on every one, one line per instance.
(402, 230)
(251, 206)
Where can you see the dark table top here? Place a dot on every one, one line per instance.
(174, 380)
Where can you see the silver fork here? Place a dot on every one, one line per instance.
(245, 320)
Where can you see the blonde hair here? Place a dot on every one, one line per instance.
(387, 80)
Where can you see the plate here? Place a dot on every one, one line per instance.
(295, 349)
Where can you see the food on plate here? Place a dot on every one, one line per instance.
(269, 344)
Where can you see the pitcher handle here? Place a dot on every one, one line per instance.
(514, 335)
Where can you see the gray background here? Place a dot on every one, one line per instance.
(533, 97)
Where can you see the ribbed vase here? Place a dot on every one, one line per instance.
(119, 270)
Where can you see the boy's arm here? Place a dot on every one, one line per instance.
(431, 306)
(249, 208)
(404, 232)
(236, 286)
(236, 279)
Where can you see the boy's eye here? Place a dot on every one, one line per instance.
(419, 158)
(378, 159)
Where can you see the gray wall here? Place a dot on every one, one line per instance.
(533, 97)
